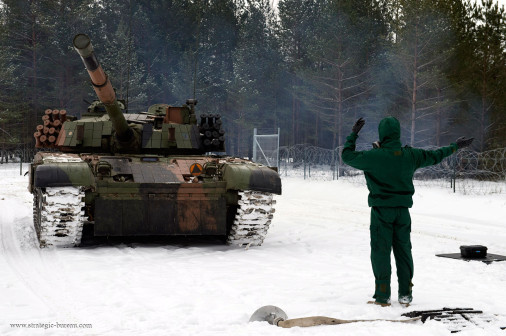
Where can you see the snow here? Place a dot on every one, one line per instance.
(314, 261)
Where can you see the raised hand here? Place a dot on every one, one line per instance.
(463, 142)
(358, 125)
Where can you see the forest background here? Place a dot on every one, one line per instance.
(309, 67)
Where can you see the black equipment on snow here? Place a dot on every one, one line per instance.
(445, 314)
(473, 251)
(456, 319)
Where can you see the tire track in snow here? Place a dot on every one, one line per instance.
(459, 229)
(32, 269)
(42, 272)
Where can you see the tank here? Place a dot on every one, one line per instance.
(146, 174)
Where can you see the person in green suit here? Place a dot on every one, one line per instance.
(388, 170)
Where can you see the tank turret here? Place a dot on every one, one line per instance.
(163, 129)
(105, 92)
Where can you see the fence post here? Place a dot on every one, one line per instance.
(338, 162)
(254, 159)
(454, 173)
(333, 164)
(304, 163)
(279, 158)
(286, 164)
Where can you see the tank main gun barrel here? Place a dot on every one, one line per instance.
(103, 87)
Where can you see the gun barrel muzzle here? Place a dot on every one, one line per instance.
(101, 83)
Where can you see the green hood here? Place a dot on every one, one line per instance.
(389, 130)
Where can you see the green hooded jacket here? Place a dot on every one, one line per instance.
(389, 170)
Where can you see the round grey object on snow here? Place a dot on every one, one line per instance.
(271, 314)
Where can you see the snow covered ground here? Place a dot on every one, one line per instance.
(315, 261)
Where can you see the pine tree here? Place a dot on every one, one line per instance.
(255, 87)
(348, 37)
(489, 74)
(27, 30)
(297, 29)
(11, 112)
(422, 57)
(217, 40)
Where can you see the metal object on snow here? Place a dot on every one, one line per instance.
(271, 314)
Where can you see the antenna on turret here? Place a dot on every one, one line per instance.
(199, 18)
(129, 53)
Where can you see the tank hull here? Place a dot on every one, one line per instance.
(141, 195)
(157, 209)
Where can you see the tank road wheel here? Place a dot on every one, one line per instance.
(58, 216)
(252, 219)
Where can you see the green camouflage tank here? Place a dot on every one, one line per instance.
(143, 174)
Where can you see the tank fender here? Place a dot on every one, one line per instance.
(63, 174)
(251, 177)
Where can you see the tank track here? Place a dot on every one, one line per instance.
(58, 216)
(252, 219)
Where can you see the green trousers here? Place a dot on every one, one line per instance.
(391, 229)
